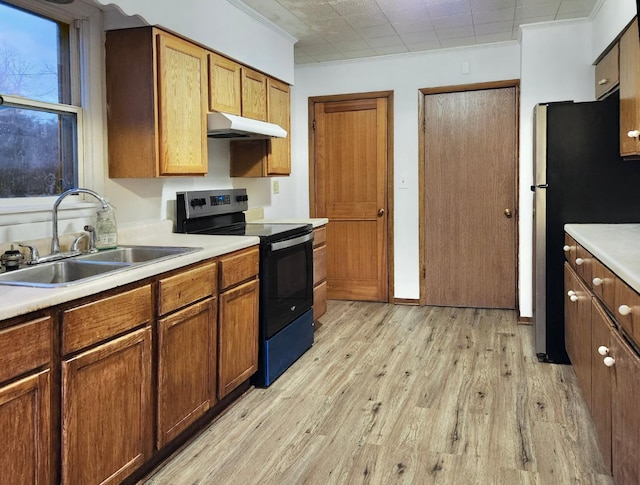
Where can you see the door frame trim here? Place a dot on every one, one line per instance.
(509, 83)
(389, 191)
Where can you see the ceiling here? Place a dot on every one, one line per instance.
(330, 30)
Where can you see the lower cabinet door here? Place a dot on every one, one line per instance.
(625, 419)
(25, 434)
(601, 378)
(238, 337)
(106, 410)
(186, 368)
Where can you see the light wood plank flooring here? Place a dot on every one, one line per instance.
(404, 394)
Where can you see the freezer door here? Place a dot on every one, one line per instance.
(539, 227)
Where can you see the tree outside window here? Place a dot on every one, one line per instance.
(38, 124)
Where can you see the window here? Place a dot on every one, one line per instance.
(39, 120)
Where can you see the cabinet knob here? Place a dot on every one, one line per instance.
(380, 212)
(597, 281)
(571, 293)
(633, 134)
(609, 361)
(602, 82)
(603, 350)
(566, 248)
(579, 261)
(624, 310)
(573, 298)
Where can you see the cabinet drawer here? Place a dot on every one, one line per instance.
(319, 236)
(96, 321)
(25, 347)
(187, 287)
(570, 250)
(584, 262)
(319, 264)
(627, 309)
(603, 284)
(238, 267)
(607, 72)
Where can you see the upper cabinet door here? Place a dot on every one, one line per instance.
(182, 106)
(254, 94)
(608, 72)
(629, 91)
(224, 85)
(279, 113)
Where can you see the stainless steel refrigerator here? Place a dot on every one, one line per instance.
(579, 177)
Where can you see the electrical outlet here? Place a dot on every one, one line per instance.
(276, 186)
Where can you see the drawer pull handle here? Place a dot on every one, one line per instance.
(633, 134)
(624, 310)
(566, 248)
(609, 361)
(597, 281)
(603, 350)
(573, 298)
(579, 261)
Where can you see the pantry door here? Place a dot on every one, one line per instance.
(349, 157)
(468, 197)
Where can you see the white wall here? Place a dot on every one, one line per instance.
(221, 26)
(404, 75)
(556, 66)
(609, 18)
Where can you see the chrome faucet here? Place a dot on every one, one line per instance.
(55, 241)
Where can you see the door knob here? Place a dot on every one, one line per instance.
(380, 212)
(507, 213)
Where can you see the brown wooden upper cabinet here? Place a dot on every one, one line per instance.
(157, 104)
(607, 72)
(225, 92)
(266, 158)
(630, 92)
(236, 89)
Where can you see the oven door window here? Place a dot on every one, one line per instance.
(287, 285)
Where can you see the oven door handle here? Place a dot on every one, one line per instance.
(277, 246)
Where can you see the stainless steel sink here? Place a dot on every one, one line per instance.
(137, 254)
(58, 273)
(80, 269)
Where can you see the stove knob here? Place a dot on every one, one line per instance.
(203, 201)
(242, 198)
(194, 202)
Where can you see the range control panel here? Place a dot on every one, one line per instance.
(201, 203)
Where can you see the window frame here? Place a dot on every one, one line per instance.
(86, 74)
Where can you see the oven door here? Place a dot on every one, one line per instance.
(286, 286)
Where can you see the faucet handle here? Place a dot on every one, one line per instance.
(34, 255)
(92, 238)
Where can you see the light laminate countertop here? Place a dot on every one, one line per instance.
(617, 246)
(314, 221)
(20, 300)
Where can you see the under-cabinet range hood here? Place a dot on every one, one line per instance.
(224, 125)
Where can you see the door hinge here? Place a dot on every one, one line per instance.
(424, 272)
(313, 125)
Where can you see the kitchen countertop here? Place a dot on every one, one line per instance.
(617, 246)
(20, 300)
(315, 221)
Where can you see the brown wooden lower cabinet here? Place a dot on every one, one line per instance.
(601, 380)
(238, 339)
(319, 272)
(578, 329)
(25, 448)
(625, 418)
(187, 353)
(106, 410)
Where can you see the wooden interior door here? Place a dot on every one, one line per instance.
(470, 198)
(350, 155)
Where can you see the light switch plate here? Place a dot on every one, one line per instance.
(276, 186)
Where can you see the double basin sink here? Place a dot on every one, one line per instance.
(80, 269)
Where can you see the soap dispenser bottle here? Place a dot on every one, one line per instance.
(106, 229)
